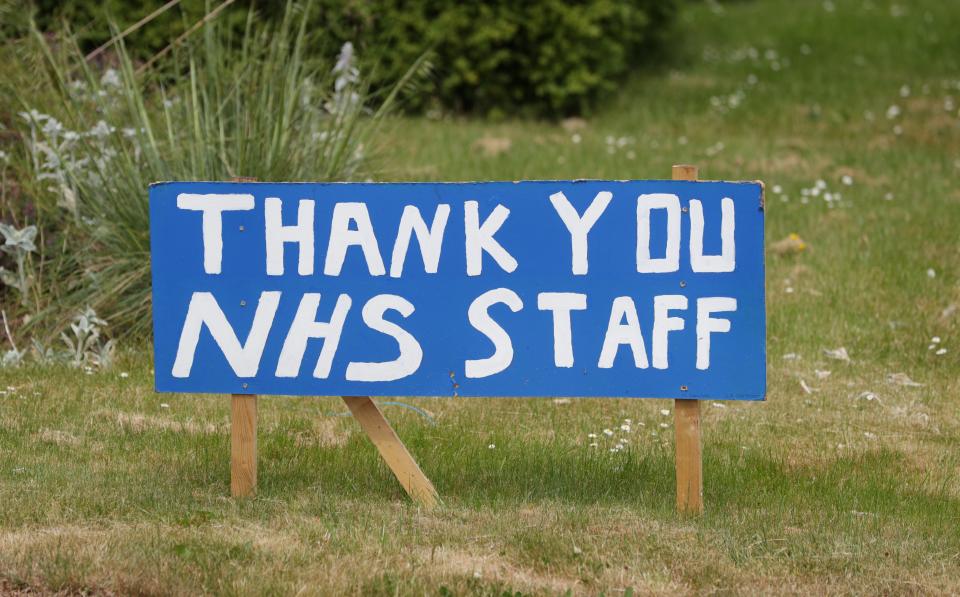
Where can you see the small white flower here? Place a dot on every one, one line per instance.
(935, 340)
(905, 91)
(846, 179)
(625, 428)
(718, 405)
(893, 111)
(941, 352)
(164, 405)
(665, 412)
(931, 273)
(869, 435)
(888, 197)
(576, 138)
(593, 445)
(608, 432)
(101, 129)
(492, 446)
(839, 354)
(124, 374)
(110, 78)
(664, 425)
(592, 435)
(898, 130)
(628, 421)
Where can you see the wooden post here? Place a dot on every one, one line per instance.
(243, 445)
(686, 422)
(243, 435)
(392, 450)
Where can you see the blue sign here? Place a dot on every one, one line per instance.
(549, 288)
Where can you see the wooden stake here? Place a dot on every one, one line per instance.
(391, 448)
(686, 422)
(243, 434)
(243, 445)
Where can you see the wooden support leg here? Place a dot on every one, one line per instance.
(391, 448)
(686, 422)
(243, 445)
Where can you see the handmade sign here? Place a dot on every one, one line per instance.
(547, 288)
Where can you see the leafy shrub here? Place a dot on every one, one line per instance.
(546, 57)
(90, 21)
(540, 57)
(93, 140)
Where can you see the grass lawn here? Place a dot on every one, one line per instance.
(847, 480)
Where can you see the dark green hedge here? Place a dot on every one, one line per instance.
(536, 57)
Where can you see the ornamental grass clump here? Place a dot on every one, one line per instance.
(216, 106)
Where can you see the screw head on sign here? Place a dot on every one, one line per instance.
(683, 388)
(684, 209)
(245, 385)
(242, 228)
(683, 284)
(243, 303)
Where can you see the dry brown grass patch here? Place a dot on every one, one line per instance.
(492, 567)
(326, 433)
(55, 436)
(140, 423)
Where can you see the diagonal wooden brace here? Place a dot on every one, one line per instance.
(392, 450)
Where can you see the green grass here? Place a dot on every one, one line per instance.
(104, 490)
